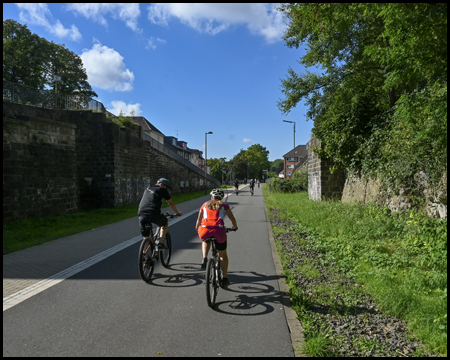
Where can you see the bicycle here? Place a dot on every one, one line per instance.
(213, 273)
(149, 252)
(251, 190)
(237, 190)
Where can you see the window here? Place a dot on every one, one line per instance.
(289, 173)
(292, 159)
(290, 166)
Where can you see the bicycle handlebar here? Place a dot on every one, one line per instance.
(230, 229)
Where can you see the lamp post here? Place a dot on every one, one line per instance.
(294, 134)
(294, 141)
(206, 156)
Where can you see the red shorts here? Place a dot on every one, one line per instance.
(218, 232)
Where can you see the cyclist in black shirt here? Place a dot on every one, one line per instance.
(252, 186)
(150, 208)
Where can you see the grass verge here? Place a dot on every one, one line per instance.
(400, 259)
(22, 234)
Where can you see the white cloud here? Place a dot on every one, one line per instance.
(38, 14)
(151, 43)
(247, 140)
(105, 69)
(262, 19)
(128, 13)
(118, 106)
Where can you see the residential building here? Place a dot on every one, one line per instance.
(292, 158)
(197, 158)
(149, 131)
(178, 146)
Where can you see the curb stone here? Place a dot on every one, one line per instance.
(295, 328)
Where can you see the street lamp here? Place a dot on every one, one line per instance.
(294, 134)
(206, 155)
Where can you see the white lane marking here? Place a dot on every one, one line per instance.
(21, 295)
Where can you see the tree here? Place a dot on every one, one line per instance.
(250, 163)
(31, 60)
(257, 157)
(383, 82)
(276, 166)
(217, 167)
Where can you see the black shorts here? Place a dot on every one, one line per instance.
(159, 220)
(221, 246)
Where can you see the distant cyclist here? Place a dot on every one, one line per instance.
(150, 209)
(210, 223)
(252, 186)
(236, 186)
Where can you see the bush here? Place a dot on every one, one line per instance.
(299, 182)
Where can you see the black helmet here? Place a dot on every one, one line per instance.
(165, 182)
(217, 193)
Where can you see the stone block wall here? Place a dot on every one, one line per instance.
(322, 183)
(363, 190)
(39, 168)
(137, 164)
(64, 161)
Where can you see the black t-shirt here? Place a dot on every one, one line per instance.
(152, 200)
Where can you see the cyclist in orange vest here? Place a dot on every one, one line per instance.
(210, 223)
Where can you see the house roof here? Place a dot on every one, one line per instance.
(146, 125)
(167, 142)
(300, 151)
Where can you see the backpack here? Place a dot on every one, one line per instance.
(213, 218)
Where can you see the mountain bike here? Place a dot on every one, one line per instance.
(237, 190)
(251, 190)
(149, 252)
(213, 273)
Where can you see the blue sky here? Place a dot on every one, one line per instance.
(187, 68)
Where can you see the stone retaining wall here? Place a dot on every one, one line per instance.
(322, 184)
(64, 161)
(39, 168)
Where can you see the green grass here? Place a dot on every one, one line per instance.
(22, 234)
(399, 258)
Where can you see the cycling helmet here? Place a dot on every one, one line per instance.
(165, 182)
(217, 193)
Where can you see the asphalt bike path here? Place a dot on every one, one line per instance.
(105, 309)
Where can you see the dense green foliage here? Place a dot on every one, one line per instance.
(379, 102)
(298, 182)
(250, 163)
(276, 166)
(217, 168)
(124, 121)
(33, 61)
(399, 258)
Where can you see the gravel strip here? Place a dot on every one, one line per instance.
(352, 323)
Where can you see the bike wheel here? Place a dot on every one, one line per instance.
(166, 254)
(211, 281)
(146, 263)
(219, 275)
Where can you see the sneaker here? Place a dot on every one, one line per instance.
(204, 261)
(161, 245)
(225, 282)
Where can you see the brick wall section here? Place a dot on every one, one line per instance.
(98, 165)
(322, 184)
(39, 168)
